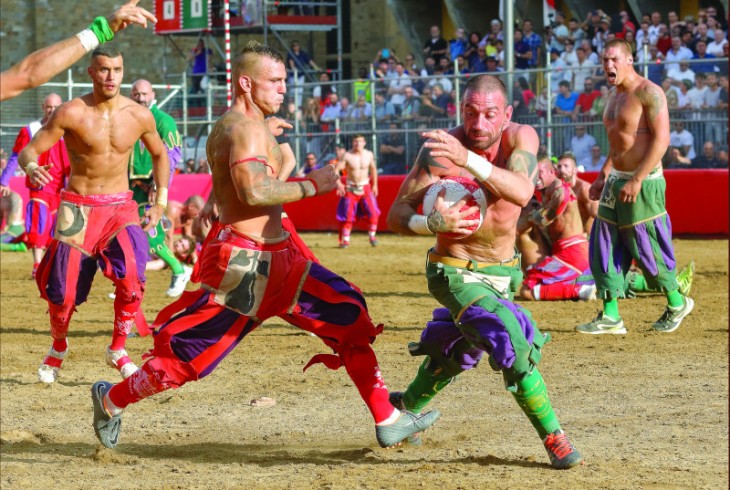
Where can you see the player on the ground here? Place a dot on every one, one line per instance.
(97, 223)
(43, 200)
(475, 276)
(560, 268)
(11, 215)
(141, 181)
(568, 171)
(632, 221)
(359, 194)
(250, 271)
(42, 65)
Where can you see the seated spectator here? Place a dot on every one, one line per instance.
(440, 99)
(677, 53)
(458, 45)
(392, 151)
(397, 85)
(595, 163)
(411, 105)
(566, 100)
(569, 55)
(722, 155)
(470, 53)
(583, 69)
(331, 110)
(299, 60)
(696, 94)
(680, 74)
(363, 110)
(479, 64)
(428, 67)
(461, 65)
(676, 158)
(683, 139)
(384, 110)
(581, 144)
(702, 54)
(411, 66)
(559, 71)
(427, 110)
(310, 163)
(671, 93)
(585, 100)
(493, 65)
(683, 101)
(310, 114)
(716, 46)
(324, 89)
(709, 158)
(346, 110)
(441, 79)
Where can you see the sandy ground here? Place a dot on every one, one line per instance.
(647, 410)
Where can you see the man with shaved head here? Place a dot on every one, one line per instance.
(632, 221)
(142, 184)
(43, 200)
(251, 270)
(475, 274)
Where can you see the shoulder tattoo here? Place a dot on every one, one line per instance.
(652, 98)
(424, 162)
(523, 162)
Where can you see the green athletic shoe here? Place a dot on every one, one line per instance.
(405, 426)
(106, 427)
(396, 399)
(602, 324)
(561, 452)
(684, 278)
(672, 317)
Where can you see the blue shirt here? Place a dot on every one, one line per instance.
(534, 42)
(706, 67)
(566, 103)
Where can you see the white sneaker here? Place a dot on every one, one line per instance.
(48, 370)
(114, 357)
(178, 282)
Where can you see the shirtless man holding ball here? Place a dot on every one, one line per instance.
(476, 275)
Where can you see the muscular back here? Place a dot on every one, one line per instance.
(633, 119)
(236, 135)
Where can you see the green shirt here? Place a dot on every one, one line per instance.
(140, 160)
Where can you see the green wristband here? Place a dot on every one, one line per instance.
(102, 31)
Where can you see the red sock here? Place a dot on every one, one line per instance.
(362, 366)
(60, 345)
(135, 388)
(558, 291)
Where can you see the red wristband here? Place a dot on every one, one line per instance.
(316, 189)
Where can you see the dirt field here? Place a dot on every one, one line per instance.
(647, 410)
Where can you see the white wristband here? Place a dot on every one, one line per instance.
(478, 166)
(418, 224)
(30, 168)
(161, 198)
(88, 39)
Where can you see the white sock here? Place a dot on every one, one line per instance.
(393, 417)
(536, 292)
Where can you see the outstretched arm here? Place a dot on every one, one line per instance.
(42, 65)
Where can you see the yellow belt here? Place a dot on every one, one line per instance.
(467, 264)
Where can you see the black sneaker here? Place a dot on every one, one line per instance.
(106, 427)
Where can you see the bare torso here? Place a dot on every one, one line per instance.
(99, 139)
(263, 221)
(568, 223)
(627, 128)
(494, 240)
(586, 206)
(358, 166)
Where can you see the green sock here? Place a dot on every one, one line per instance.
(610, 308)
(532, 397)
(166, 254)
(675, 299)
(424, 387)
(13, 247)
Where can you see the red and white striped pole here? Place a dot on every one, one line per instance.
(227, 27)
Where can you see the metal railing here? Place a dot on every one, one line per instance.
(195, 113)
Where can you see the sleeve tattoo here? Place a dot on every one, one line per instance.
(653, 101)
(523, 162)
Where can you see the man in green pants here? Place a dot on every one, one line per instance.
(141, 183)
(474, 273)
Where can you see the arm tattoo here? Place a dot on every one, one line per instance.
(425, 160)
(523, 162)
(435, 222)
(652, 100)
